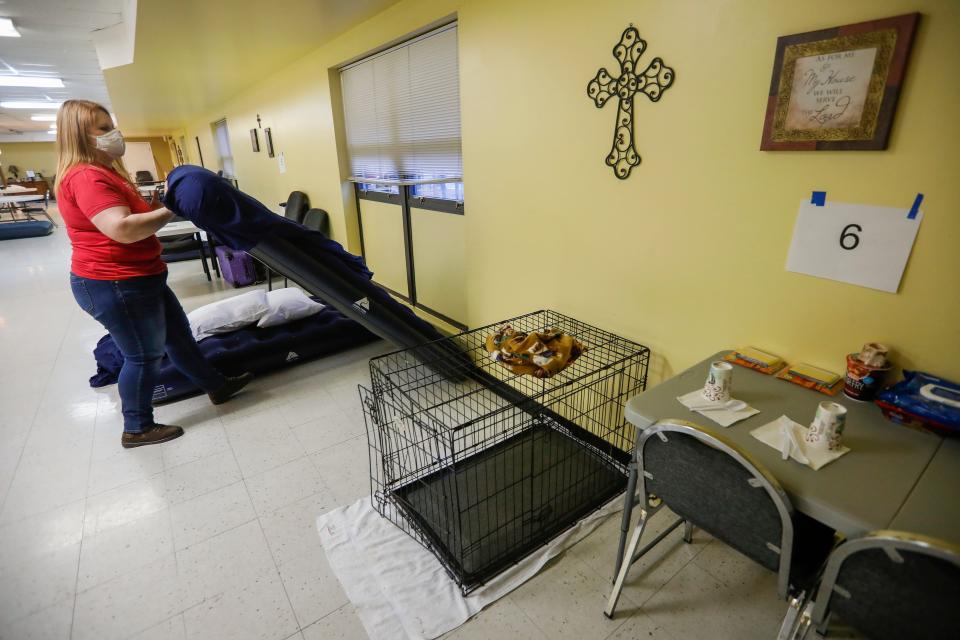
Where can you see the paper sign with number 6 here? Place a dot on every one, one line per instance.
(855, 243)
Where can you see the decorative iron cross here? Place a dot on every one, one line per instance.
(652, 81)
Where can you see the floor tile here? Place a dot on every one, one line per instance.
(205, 516)
(39, 583)
(262, 441)
(694, 605)
(125, 504)
(41, 534)
(312, 587)
(324, 432)
(292, 530)
(566, 600)
(50, 623)
(258, 610)
(654, 569)
(132, 603)
(345, 469)
(170, 629)
(502, 619)
(123, 549)
(196, 478)
(220, 563)
(282, 485)
(342, 624)
(198, 442)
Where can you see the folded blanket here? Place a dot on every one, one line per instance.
(541, 354)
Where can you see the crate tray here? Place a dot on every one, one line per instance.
(511, 498)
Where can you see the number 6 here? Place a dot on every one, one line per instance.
(846, 233)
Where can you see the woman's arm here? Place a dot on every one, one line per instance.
(125, 227)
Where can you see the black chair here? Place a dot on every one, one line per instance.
(144, 177)
(889, 584)
(711, 483)
(296, 206)
(173, 245)
(317, 220)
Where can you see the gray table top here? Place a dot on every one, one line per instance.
(860, 492)
(933, 507)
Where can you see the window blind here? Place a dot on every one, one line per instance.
(402, 110)
(222, 139)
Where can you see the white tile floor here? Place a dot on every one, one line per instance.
(212, 535)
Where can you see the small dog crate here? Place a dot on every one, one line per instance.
(482, 466)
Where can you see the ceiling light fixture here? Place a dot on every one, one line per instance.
(30, 81)
(7, 29)
(28, 104)
(42, 117)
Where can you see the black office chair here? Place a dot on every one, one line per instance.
(144, 177)
(296, 206)
(889, 585)
(711, 483)
(173, 247)
(317, 220)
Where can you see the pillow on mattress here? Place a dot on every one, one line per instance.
(287, 305)
(228, 315)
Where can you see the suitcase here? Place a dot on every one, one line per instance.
(236, 266)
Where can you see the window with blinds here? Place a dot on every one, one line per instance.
(402, 114)
(221, 138)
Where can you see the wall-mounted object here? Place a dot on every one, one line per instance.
(858, 244)
(199, 150)
(268, 137)
(254, 140)
(837, 89)
(652, 82)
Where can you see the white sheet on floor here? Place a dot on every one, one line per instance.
(401, 591)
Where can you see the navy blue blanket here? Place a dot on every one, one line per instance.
(247, 349)
(241, 222)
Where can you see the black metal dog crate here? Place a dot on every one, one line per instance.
(482, 466)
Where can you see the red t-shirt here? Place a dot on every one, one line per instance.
(84, 192)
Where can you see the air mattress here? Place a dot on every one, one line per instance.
(249, 349)
(25, 229)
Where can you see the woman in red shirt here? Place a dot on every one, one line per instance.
(117, 275)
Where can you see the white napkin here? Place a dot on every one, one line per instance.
(776, 435)
(723, 417)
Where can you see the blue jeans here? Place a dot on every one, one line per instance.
(145, 319)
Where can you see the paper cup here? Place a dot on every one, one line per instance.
(826, 431)
(717, 386)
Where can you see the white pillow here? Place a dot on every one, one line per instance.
(228, 315)
(287, 305)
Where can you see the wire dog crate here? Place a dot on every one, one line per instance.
(481, 465)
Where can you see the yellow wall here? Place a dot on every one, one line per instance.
(687, 256)
(33, 156)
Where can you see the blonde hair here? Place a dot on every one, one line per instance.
(74, 144)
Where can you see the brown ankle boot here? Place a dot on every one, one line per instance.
(154, 435)
(230, 387)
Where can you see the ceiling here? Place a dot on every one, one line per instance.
(192, 55)
(55, 40)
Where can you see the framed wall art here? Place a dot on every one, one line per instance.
(268, 138)
(837, 89)
(254, 140)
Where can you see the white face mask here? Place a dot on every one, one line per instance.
(112, 144)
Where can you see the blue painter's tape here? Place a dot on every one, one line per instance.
(915, 209)
(819, 198)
